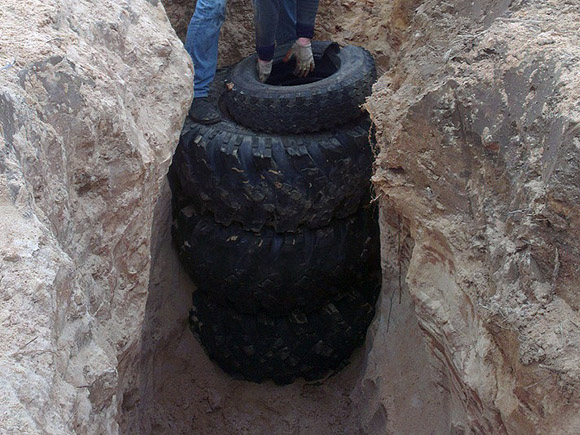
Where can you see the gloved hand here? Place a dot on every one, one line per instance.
(302, 49)
(264, 69)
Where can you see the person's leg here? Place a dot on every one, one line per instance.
(306, 11)
(266, 13)
(286, 31)
(201, 42)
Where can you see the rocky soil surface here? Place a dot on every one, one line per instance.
(478, 126)
(92, 99)
(477, 331)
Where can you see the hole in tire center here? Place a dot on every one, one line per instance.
(283, 73)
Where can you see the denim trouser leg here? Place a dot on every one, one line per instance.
(286, 30)
(275, 21)
(201, 42)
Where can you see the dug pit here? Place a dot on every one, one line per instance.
(478, 272)
(179, 390)
(476, 179)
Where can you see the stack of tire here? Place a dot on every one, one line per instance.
(272, 217)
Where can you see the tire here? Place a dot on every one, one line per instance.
(260, 180)
(274, 272)
(283, 348)
(309, 107)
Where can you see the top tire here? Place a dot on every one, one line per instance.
(329, 96)
(268, 180)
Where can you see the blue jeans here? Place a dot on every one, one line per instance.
(203, 34)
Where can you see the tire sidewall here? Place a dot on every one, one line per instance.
(244, 78)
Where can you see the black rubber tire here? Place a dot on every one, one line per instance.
(277, 272)
(283, 348)
(309, 107)
(260, 180)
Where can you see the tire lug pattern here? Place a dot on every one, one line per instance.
(276, 229)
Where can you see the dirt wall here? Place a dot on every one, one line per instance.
(92, 98)
(477, 124)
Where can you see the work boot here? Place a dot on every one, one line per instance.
(203, 112)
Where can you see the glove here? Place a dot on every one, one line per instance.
(263, 68)
(304, 58)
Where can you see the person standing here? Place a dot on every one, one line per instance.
(202, 40)
(265, 13)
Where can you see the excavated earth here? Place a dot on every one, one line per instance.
(477, 116)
